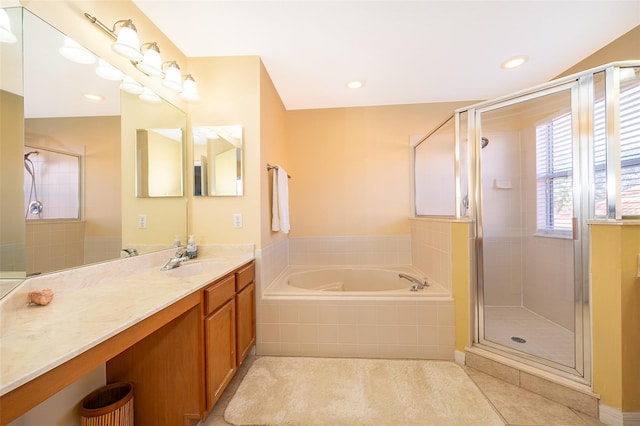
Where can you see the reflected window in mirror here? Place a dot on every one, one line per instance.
(217, 161)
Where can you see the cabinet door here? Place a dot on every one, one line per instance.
(246, 321)
(220, 350)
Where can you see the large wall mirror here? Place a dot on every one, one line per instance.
(70, 126)
(217, 160)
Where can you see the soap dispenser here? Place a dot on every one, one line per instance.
(192, 249)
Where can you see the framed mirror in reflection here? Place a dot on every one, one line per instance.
(45, 101)
(159, 171)
(217, 161)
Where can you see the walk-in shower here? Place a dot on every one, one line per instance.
(528, 171)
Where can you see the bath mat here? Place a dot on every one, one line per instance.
(341, 391)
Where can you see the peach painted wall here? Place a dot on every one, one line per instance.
(273, 150)
(230, 92)
(350, 167)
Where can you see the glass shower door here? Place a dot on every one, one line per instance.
(528, 239)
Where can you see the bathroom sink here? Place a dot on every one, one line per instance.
(191, 268)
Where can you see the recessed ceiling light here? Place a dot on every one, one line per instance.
(514, 62)
(355, 84)
(93, 97)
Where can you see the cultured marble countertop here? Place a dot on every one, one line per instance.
(94, 303)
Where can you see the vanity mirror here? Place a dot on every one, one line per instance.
(217, 165)
(159, 169)
(76, 109)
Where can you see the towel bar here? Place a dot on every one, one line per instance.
(269, 167)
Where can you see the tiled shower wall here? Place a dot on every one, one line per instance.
(431, 248)
(351, 250)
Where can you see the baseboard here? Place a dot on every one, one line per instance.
(459, 357)
(614, 417)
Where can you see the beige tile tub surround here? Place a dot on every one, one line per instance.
(357, 328)
(573, 395)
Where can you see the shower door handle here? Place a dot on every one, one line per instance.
(574, 228)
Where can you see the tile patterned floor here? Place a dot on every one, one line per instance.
(543, 337)
(516, 406)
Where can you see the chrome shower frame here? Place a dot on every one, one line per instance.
(581, 86)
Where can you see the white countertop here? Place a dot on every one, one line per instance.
(93, 303)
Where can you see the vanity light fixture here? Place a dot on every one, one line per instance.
(514, 62)
(129, 85)
(172, 77)
(6, 35)
(127, 42)
(108, 71)
(146, 59)
(149, 96)
(74, 52)
(190, 91)
(151, 63)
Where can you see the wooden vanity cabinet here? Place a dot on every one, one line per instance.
(245, 311)
(229, 329)
(219, 337)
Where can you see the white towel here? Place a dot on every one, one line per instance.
(280, 205)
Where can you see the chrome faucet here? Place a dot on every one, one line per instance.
(129, 252)
(415, 282)
(176, 260)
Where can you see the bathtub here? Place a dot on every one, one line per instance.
(354, 311)
(351, 281)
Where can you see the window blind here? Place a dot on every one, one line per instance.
(554, 175)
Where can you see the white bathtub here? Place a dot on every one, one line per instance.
(355, 311)
(351, 281)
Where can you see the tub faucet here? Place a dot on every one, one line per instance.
(176, 260)
(415, 282)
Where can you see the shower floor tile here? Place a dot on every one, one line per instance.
(544, 338)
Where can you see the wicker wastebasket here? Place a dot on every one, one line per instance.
(111, 405)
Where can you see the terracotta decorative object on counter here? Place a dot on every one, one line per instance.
(42, 297)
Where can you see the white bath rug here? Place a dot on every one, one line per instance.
(340, 391)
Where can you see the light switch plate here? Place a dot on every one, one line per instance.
(237, 220)
(142, 221)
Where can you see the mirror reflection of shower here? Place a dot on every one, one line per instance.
(51, 184)
(34, 206)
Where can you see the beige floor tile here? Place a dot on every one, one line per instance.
(521, 407)
(588, 420)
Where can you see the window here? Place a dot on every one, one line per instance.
(629, 152)
(630, 148)
(554, 176)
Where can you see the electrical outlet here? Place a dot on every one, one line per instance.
(142, 221)
(237, 220)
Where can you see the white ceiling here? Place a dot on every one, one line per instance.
(404, 51)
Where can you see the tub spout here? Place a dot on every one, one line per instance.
(415, 282)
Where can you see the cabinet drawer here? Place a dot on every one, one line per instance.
(219, 293)
(245, 276)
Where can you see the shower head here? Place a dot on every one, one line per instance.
(26, 156)
(485, 142)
